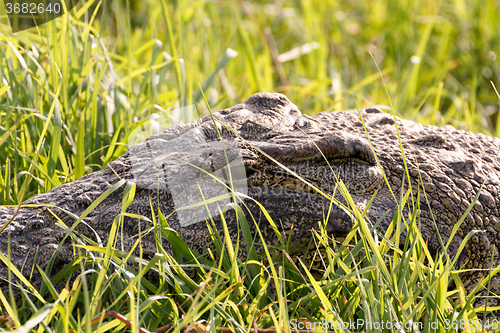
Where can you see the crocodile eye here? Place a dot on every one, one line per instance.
(306, 124)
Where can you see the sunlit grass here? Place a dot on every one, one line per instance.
(73, 91)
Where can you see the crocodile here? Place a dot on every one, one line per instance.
(287, 162)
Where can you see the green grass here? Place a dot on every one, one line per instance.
(73, 91)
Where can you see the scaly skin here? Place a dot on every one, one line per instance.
(452, 164)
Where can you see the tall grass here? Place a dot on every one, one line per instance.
(72, 92)
(73, 89)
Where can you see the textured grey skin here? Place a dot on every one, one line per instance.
(453, 164)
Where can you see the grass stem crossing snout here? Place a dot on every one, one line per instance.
(284, 171)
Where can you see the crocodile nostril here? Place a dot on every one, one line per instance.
(270, 104)
(268, 100)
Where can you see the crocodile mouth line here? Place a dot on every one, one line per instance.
(303, 209)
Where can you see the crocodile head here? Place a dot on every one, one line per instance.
(273, 157)
(292, 163)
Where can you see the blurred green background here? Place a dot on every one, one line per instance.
(72, 90)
